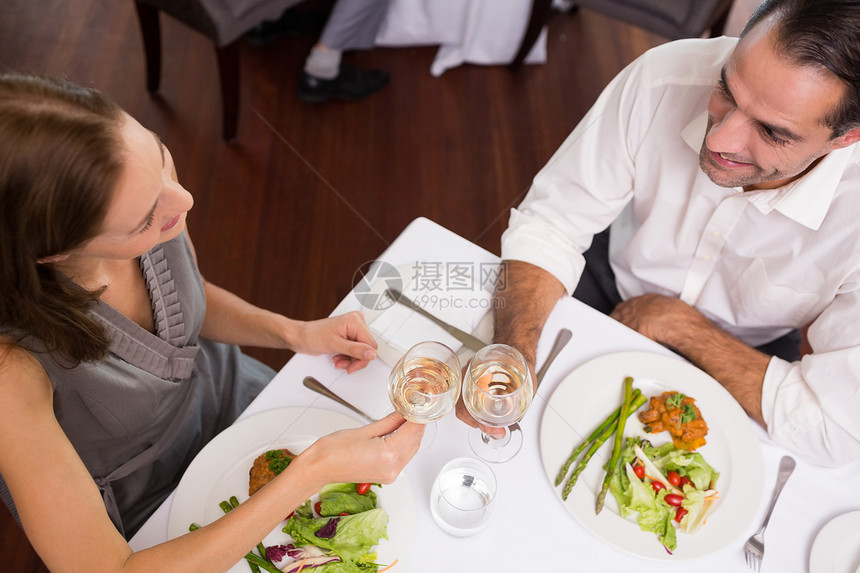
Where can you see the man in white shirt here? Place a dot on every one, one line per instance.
(730, 175)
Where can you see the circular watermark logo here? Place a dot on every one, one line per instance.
(370, 282)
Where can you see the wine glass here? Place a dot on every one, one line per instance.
(497, 391)
(424, 385)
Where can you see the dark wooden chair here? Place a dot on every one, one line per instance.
(223, 22)
(674, 19)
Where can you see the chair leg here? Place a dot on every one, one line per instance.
(717, 25)
(228, 72)
(151, 31)
(538, 18)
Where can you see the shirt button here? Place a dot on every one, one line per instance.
(705, 257)
(715, 234)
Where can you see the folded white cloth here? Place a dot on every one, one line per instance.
(401, 328)
(485, 32)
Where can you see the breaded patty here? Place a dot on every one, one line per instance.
(266, 467)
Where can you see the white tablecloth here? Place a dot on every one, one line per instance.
(466, 31)
(530, 530)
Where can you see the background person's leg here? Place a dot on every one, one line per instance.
(352, 25)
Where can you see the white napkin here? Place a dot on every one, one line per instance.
(400, 328)
(454, 293)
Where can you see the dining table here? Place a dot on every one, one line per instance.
(530, 529)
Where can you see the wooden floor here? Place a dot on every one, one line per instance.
(287, 214)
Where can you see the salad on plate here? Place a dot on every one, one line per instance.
(664, 488)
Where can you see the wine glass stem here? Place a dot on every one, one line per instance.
(499, 442)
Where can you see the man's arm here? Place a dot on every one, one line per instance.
(525, 296)
(524, 299)
(677, 325)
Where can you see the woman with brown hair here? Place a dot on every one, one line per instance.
(119, 361)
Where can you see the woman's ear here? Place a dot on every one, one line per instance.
(52, 259)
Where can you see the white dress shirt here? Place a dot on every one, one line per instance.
(757, 263)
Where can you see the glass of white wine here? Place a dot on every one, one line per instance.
(497, 392)
(424, 385)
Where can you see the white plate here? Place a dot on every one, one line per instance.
(836, 548)
(221, 470)
(587, 396)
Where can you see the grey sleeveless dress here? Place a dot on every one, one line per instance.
(138, 417)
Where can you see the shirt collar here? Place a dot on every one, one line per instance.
(805, 200)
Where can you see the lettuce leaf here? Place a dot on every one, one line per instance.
(698, 505)
(637, 498)
(354, 539)
(347, 567)
(340, 498)
(305, 510)
(653, 516)
(690, 464)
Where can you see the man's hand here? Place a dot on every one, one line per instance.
(677, 325)
(654, 315)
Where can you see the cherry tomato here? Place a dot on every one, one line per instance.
(657, 485)
(684, 481)
(679, 514)
(318, 507)
(342, 513)
(362, 488)
(673, 478)
(674, 499)
(290, 515)
(639, 471)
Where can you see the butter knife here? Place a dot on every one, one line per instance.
(472, 342)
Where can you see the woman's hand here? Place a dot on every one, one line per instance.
(346, 336)
(375, 453)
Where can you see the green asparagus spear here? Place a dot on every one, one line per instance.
(613, 418)
(597, 442)
(256, 561)
(616, 450)
(595, 445)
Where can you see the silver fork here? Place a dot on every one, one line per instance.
(754, 547)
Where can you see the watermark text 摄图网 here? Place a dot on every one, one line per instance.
(430, 284)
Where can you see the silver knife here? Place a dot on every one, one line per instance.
(472, 342)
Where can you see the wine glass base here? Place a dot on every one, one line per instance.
(496, 450)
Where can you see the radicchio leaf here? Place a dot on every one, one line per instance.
(275, 553)
(328, 530)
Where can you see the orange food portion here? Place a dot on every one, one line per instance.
(678, 416)
(262, 472)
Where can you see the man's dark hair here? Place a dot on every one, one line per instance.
(823, 33)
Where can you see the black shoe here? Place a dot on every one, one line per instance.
(351, 84)
(291, 23)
